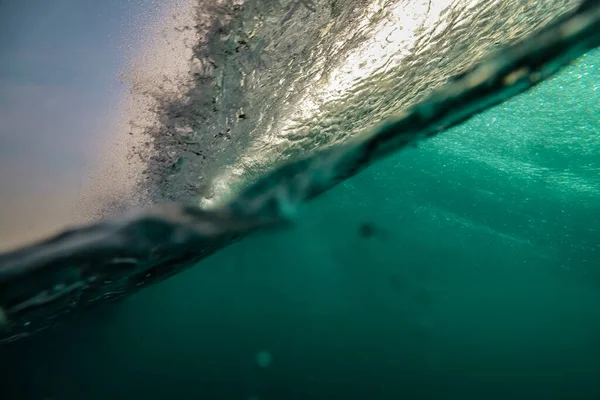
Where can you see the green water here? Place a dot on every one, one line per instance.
(468, 268)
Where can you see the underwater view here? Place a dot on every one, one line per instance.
(300, 199)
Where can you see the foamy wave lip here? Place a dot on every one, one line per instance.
(159, 68)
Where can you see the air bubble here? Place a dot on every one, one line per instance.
(264, 359)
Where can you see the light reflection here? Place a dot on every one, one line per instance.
(391, 29)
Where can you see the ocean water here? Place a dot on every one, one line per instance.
(465, 268)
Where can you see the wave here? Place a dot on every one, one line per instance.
(268, 82)
(111, 259)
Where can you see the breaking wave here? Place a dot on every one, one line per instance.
(225, 90)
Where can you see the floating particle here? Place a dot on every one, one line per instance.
(264, 359)
(366, 230)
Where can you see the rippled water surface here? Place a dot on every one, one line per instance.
(274, 80)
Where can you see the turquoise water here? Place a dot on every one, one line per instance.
(467, 268)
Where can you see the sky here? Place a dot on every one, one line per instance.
(60, 86)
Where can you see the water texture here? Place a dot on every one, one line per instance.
(465, 267)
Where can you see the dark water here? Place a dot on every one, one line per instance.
(468, 268)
